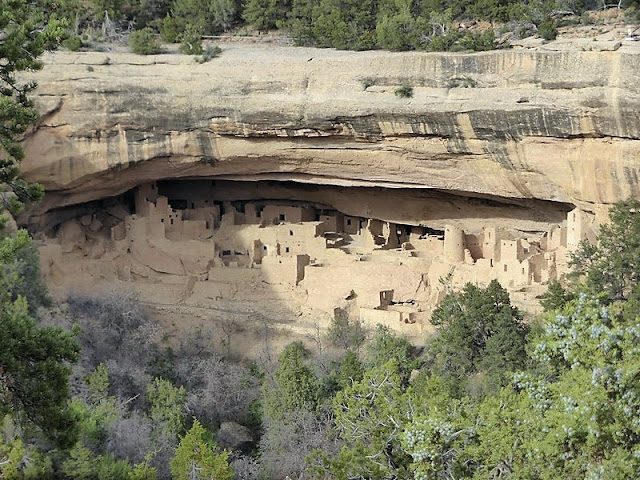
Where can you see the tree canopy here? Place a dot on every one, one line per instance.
(570, 411)
(23, 38)
(196, 457)
(613, 266)
(34, 360)
(430, 25)
(479, 332)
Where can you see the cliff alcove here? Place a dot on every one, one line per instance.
(496, 176)
(286, 249)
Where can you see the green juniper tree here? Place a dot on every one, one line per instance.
(295, 386)
(208, 16)
(33, 370)
(480, 332)
(555, 297)
(22, 40)
(345, 24)
(144, 42)
(264, 14)
(197, 458)
(167, 405)
(613, 266)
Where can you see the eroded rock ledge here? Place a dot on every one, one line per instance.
(515, 124)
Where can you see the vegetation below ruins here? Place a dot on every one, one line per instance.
(353, 25)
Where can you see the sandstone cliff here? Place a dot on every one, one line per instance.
(508, 125)
(275, 185)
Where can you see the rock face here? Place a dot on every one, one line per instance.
(510, 125)
(295, 184)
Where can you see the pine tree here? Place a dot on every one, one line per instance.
(614, 264)
(33, 371)
(480, 331)
(22, 40)
(196, 457)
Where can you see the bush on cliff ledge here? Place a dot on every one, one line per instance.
(144, 42)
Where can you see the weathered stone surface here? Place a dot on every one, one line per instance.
(298, 114)
(234, 436)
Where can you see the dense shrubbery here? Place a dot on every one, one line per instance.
(73, 43)
(191, 40)
(547, 29)
(482, 338)
(431, 25)
(136, 407)
(144, 42)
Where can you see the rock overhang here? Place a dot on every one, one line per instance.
(514, 124)
(502, 142)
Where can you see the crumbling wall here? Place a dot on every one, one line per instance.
(285, 270)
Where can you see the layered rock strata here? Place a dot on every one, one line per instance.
(515, 124)
(495, 166)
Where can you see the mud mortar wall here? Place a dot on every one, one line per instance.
(206, 243)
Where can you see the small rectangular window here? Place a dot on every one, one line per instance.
(286, 249)
(282, 217)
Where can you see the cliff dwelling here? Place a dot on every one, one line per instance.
(379, 254)
(288, 194)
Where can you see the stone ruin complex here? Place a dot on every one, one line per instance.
(327, 195)
(176, 235)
